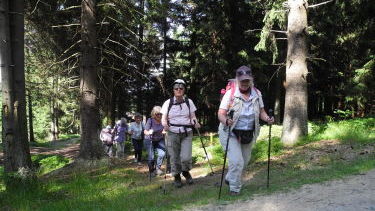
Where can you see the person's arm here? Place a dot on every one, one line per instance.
(223, 117)
(193, 117)
(195, 120)
(148, 130)
(222, 113)
(264, 116)
(130, 131)
(164, 110)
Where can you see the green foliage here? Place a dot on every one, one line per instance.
(343, 114)
(48, 163)
(275, 19)
(260, 150)
(358, 130)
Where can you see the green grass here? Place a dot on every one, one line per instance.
(117, 186)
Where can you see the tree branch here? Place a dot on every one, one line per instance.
(315, 58)
(317, 5)
(77, 24)
(276, 31)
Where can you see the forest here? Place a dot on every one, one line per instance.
(71, 67)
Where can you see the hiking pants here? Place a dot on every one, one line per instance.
(120, 146)
(108, 149)
(159, 147)
(238, 157)
(180, 149)
(138, 146)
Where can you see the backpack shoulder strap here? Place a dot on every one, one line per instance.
(187, 103)
(258, 92)
(231, 98)
(170, 105)
(169, 108)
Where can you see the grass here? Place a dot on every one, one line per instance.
(116, 185)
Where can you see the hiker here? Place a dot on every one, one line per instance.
(178, 120)
(247, 106)
(136, 131)
(106, 138)
(119, 134)
(154, 141)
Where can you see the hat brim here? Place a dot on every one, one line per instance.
(243, 77)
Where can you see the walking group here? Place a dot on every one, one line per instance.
(169, 131)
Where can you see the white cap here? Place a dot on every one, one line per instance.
(179, 81)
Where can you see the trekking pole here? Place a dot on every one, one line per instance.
(166, 164)
(225, 155)
(200, 138)
(270, 113)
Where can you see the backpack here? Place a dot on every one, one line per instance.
(231, 86)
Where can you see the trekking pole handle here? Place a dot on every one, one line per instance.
(270, 112)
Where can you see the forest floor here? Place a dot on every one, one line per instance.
(350, 193)
(67, 148)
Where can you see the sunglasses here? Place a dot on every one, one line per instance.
(248, 72)
(178, 86)
(158, 114)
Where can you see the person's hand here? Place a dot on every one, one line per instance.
(166, 127)
(151, 131)
(270, 120)
(229, 122)
(197, 125)
(164, 132)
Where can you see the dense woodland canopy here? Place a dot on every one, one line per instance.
(142, 46)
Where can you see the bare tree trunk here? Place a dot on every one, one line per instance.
(295, 114)
(14, 124)
(30, 109)
(90, 147)
(277, 106)
(55, 110)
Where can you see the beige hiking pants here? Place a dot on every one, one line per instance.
(179, 148)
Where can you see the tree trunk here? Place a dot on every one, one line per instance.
(90, 147)
(14, 124)
(55, 111)
(277, 106)
(295, 114)
(31, 128)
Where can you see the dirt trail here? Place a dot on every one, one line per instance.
(68, 149)
(351, 193)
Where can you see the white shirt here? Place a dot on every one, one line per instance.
(136, 129)
(179, 115)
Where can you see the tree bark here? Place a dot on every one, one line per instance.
(14, 124)
(30, 111)
(295, 114)
(90, 147)
(277, 106)
(55, 110)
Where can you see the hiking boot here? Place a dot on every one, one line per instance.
(234, 193)
(159, 171)
(189, 179)
(177, 181)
